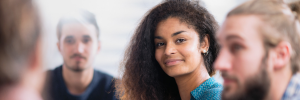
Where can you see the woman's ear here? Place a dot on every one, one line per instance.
(205, 44)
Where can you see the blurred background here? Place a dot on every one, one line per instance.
(117, 20)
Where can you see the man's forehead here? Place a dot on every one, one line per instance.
(72, 36)
(79, 29)
(240, 26)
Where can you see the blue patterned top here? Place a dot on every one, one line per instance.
(292, 91)
(208, 90)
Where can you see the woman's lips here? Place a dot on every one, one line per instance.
(172, 62)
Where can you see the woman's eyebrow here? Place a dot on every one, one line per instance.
(176, 33)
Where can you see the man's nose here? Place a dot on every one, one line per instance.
(79, 47)
(223, 61)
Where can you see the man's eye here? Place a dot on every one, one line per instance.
(160, 44)
(180, 40)
(235, 48)
(69, 41)
(85, 40)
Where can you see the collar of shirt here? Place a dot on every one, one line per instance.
(292, 91)
(208, 90)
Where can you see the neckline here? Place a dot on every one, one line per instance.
(85, 93)
(196, 93)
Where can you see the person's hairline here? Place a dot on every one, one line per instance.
(259, 26)
(59, 29)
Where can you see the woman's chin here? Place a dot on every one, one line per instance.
(178, 73)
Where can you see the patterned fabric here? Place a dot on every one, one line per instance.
(208, 90)
(292, 92)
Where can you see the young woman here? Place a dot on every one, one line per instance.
(171, 54)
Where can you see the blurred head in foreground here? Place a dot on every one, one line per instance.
(20, 53)
(260, 50)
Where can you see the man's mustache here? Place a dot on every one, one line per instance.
(78, 55)
(227, 76)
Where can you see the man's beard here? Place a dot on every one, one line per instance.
(255, 87)
(75, 68)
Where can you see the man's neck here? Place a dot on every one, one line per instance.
(279, 82)
(29, 87)
(19, 92)
(187, 83)
(77, 82)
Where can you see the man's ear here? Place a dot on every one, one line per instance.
(282, 55)
(99, 46)
(58, 46)
(205, 44)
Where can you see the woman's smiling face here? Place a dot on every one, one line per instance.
(178, 49)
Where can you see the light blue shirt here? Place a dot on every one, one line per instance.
(208, 90)
(292, 91)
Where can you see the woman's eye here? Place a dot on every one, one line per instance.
(180, 40)
(160, 44)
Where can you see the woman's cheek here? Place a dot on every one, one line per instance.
(158, 55)
(190, 52)
(186, 50)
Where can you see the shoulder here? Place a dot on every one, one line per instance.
(54, 76)
(292, 91)
(209, 90)
(102, 75)
(56, 70)
(54, 73)
(104, 79)
(213, 93)
(105, 84)
(52, 84)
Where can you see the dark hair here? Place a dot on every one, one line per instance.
(19, 34)
(78, 16)
(295, 7)
(143, 78)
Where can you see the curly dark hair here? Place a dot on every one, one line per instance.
(143, 78)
